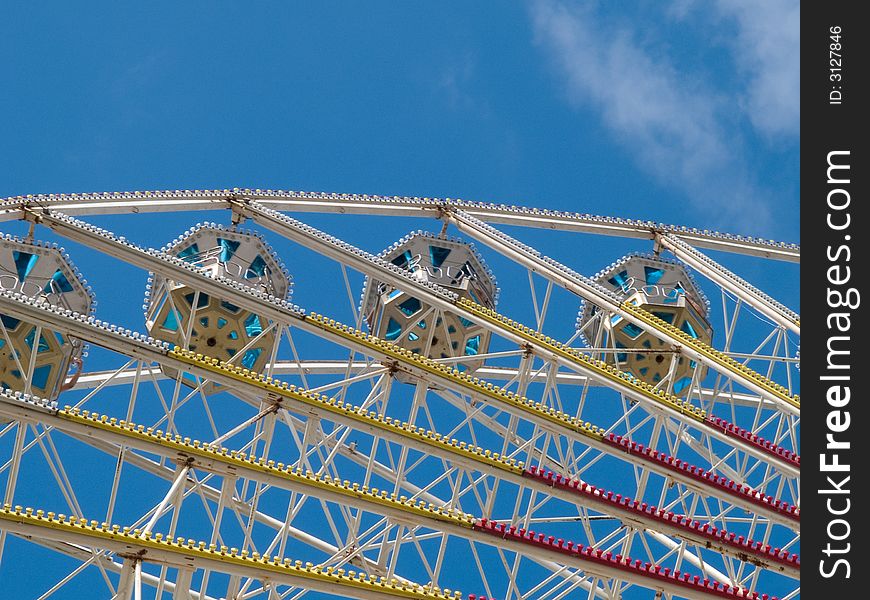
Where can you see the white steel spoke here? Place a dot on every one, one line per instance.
(360, 461)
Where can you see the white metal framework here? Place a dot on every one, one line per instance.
(339, 464)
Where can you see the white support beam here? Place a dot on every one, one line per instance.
(724, 278)
(181, 589)
(592, 292)
(214, 495)
(34, 412)
(142, 349)
(319, 202)
(181, 557)
(94, 379)
(280, 312)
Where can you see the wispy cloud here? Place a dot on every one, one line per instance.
(454, 80)
(680, 131)
(767, 49)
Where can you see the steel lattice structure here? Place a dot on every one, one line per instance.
(334, 463)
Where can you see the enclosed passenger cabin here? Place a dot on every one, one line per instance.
(410, 322)
(665, 289)
(34, 359)
(212, 326)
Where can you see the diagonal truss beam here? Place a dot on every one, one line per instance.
(595, 293)
(137, 346)
(189, 555)
(283, 312)
(777, 312)
(215, 459)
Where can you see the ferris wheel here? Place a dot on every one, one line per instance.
(451, 414)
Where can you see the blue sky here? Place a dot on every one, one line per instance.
(683, 112)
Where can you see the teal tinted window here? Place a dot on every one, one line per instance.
(251, 357)
(189, 253)
(43, 344)
(675, 294)
(230, 307)
(632, 330)
(40, 376)
(200, 302)
(621, 356)
(472, 346)
(24, 263)
(667, 317)
(410, 306)
(257, 268)
(403, 260)
(228, 248)
(58, 283)
(394, 330)
(9, 323)
(438, 255)
(687, 327)
(653, 275)
(252, 326)
(171, 321)
(619, 279)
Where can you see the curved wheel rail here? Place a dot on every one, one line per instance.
(768, 306)
(159, 201)
(631, 512)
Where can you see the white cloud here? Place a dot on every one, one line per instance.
(670, 122)
(767, 49)
(454, 80)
